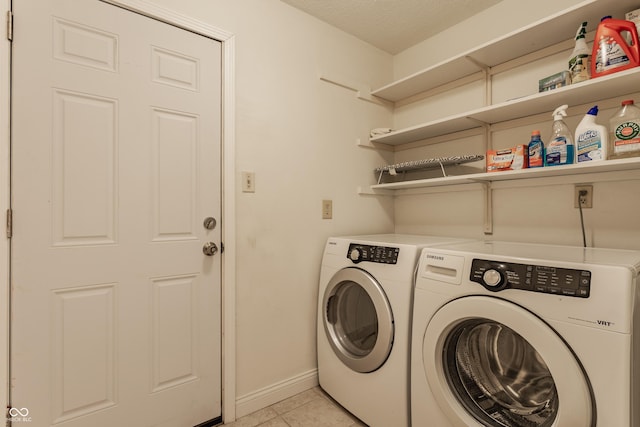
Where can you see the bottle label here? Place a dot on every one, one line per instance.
(589, 146)
(559, 152)
(536, 158)
(610, 55)
(626, 137)
(580, 68)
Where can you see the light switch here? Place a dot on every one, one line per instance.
(327, 209)
(248, 182)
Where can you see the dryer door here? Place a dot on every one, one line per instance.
(490, 362)
(358, 319)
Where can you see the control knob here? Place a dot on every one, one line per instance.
(494, 279)
(355, 255)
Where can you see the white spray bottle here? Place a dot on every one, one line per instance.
(560, 150)
(580, 59)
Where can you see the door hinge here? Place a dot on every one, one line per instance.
(9, 223)
(9, 25)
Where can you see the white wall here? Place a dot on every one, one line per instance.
(536, 210)
(298, 135)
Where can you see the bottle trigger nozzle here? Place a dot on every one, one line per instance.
(560, 112)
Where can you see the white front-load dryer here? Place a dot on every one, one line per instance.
(508, 334)
(364, 306)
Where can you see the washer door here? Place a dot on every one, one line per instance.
(490, 362)
(358, 320)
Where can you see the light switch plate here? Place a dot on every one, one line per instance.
(248, 182)
(327, 209)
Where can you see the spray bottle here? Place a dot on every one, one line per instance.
(580, 59)
(560, 150)
(591, 138)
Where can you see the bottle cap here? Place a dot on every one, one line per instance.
(627, 102)
(593, 111)
(535, 132)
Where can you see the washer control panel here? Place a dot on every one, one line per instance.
(496, 276)
(380, 254)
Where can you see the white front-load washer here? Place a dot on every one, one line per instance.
(364, 305)
(508, 334)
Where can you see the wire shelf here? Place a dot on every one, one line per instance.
(425, 164)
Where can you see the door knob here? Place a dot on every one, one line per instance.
(209, 249)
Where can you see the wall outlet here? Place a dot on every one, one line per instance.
(248, 182)
(327, 209)
(584, 193)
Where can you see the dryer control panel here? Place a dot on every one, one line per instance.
(496, 276)
(380, 254)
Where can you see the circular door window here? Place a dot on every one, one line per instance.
(492, 363)
(498, 376)
(358, 320)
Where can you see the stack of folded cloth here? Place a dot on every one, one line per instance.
(380, 131)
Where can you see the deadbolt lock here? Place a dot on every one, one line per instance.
(209, 223)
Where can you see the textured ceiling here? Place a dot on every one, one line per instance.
(392, 25)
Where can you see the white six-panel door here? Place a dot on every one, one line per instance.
(115, 165)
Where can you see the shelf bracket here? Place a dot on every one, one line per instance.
(484, 67)
(488, 207)
(366, 143)
(362, 91)
(488, 97)
(368, 191)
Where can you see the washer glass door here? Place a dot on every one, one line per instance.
(490, 362)
(498, 376)
(358, 320)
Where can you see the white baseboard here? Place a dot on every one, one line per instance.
(274, 393)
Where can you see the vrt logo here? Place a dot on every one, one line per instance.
(605, 323)
(19, 415)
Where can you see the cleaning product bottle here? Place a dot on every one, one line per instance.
(611, 52)
(560, 150)
(625, 131)
(580, 59)
(591, 138)
(536, 150)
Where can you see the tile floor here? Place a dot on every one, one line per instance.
(311, 408)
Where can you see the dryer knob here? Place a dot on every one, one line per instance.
(492, 278)
(355, 255)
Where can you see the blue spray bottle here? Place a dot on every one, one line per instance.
(560, 150)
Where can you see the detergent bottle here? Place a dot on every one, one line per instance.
(560, 150)
(536, 150)
(625, 131)
(580, 59)
(611, 52)
(591, 138)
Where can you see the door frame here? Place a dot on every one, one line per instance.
(228, 279)
(5, 197)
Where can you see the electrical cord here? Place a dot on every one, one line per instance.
(581, 200)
